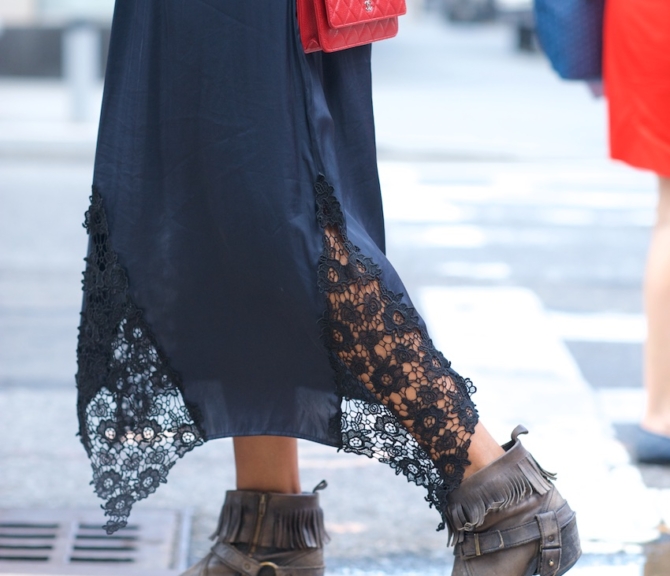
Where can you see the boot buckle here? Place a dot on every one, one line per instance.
(478, 549)
(271, 569)
(478, 546)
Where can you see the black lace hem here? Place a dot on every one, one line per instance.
(401, 402)
(133, 420)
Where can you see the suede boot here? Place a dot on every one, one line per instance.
(508, 519)
(266, 534)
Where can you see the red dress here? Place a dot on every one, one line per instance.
(637, 82)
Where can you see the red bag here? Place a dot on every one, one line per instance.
(332, 25)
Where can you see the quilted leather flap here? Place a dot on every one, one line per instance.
(343, 13)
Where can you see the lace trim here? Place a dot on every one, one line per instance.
(134, 422)
(401, 402)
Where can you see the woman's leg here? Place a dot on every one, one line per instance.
(483, 450)
(267, 464)
(657, 304)
(270, 463)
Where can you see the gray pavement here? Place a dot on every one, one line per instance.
(519, 241)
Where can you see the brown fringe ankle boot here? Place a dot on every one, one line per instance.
(266, 534)
(508, 519)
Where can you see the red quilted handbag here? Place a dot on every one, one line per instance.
(332, 25)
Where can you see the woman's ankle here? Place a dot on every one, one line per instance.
(483, 450)
(267, 464)
(656, 425)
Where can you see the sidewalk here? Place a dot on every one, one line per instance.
(35, 121)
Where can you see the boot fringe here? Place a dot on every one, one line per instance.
(520, 482)
(229, 524)
(300, 529)
(292, 530)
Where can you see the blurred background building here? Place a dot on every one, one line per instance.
(27, 12)
(65, 39)
(32, 33)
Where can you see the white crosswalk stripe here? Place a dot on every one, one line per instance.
(599, 327)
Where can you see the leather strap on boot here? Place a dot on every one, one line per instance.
(249, 566)
(546, 528)
(550, 542)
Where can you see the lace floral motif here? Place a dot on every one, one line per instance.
(402, 403)
(133, 420)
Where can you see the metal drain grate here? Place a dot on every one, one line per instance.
(72, 543)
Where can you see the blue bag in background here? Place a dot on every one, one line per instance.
(571, 34)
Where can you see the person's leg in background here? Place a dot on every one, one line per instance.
(636, 65)
(657, 350)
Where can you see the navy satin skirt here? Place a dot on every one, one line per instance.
(202, 308)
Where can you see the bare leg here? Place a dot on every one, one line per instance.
(483, 450)
(270, 463)
(267, 464)
(657, 304)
